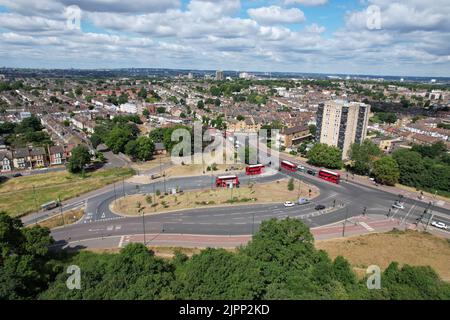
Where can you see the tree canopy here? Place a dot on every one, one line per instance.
(326, 156)
(79, 159)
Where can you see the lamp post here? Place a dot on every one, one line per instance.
(345, 222)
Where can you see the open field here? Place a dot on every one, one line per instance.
(154, 163)
(411, 247)
(58, 220)
(259, 193)
(19, 196)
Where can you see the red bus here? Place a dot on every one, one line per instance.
(288, 166)
(225, 181)
(330, 176)
(254, 169)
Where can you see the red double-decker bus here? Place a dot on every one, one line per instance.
(330, 176)
(225, 181)
(254, 169)
(288, 166)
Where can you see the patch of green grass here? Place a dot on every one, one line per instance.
(23, 195)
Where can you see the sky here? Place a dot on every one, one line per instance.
(377, 37)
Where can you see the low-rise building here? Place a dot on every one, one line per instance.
(294, 136)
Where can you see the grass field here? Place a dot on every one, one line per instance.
(19, 196)
(411, 247)
(58, 220)
(154, 163)
(258, 193)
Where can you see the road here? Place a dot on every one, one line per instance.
(100, 223)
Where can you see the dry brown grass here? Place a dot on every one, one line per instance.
(154, 163)
(17, 196)
(411, 247)
(258, 193)
(58, 221)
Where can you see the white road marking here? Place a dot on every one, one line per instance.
(121, 241)
(366, 226)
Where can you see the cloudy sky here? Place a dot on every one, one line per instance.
(380, 37)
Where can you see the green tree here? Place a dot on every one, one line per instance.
(363, 156)
(326, 156)
(143, 93)
(386, 171)
(291, 184)
(411, 166)
(96, 140)
(79, 159)
(25, 268)
(118, 137)
(141, 149)
(218, 274)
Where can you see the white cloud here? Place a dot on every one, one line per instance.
(211, 34)
(315, 28)
(276, 15)
(306, 2)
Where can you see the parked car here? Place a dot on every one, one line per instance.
(16, 175)
(289, 204)
(439, 225)
(320, 207)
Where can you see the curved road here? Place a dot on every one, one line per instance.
(350, 199)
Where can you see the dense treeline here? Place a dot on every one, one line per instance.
(425, 167)
(280, 262)
(121, 134)
(29, 131)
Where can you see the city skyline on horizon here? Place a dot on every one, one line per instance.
(299, 36)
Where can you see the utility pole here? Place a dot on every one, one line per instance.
(345, 222)
(61, 211)
(143, 226)
(35, 203)
(165, 190)
(115, 194)
(154, 194)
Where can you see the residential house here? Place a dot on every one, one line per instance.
(57, 155)
(422, 139)
(38, 157)
(20, 158)
(6, 161)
